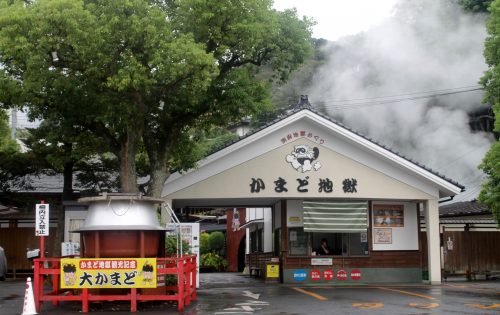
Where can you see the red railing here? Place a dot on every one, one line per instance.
(184, 268)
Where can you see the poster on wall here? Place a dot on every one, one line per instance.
(388, 216)
(382, 236)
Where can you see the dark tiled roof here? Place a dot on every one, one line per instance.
(468, 221)
(463, 208)
(305, 105)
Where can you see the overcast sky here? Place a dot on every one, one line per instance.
(337, 18)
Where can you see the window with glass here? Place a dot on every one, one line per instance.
(338, 244)
(333, 228)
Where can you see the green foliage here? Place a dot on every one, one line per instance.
(7, 144)
(204, 243)
(213, 261)
(217, 241)
(141, 75)
(475, 5)
(490, 193)
(171, 245)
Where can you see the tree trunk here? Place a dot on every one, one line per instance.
(128, 174)
(159, 175)
(66, 196)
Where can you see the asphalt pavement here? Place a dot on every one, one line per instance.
(231, 293)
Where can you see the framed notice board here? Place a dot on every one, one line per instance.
(388, 216)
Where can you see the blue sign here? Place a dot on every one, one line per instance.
(299, 275)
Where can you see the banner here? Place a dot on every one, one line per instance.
(42, 220)
(93, 273)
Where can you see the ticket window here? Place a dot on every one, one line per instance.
(341, 244)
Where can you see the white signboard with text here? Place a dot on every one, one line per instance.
(190, 233)
(42, 220)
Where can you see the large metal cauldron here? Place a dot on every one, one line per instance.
(121, 225)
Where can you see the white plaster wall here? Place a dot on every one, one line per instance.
(403, 238)
(294, 210)
(268, 230)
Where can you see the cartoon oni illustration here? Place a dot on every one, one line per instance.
(303, 158)
(69, 271)
(147, 273)
(236, 220)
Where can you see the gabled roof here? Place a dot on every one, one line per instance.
(304, 105)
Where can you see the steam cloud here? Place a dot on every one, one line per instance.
(426, 45)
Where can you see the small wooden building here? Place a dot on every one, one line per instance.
(322, 181)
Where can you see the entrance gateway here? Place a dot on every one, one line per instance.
(341, 207)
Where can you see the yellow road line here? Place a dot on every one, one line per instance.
(367, 306)
(424, 306)
(408, 293)
(314, 295)
(484, 307)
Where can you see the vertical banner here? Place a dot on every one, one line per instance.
(94, 273)
(42, 220)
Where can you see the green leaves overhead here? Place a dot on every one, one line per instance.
(136, 72)
(490, 193)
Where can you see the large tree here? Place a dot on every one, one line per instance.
(490, 193)
(145, 73)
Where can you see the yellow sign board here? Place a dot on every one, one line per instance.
(91, 273)
(273, 271)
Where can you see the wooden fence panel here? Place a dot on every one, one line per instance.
(473, 251)
(15, 241)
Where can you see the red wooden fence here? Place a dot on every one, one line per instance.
(184, 292)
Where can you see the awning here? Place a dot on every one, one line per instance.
(335, 217)
(250, 223)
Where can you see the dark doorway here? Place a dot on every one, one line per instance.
(241, 254)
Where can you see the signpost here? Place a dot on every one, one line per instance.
(42, 224)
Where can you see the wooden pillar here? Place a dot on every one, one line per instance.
(433, 240)
(284, 239)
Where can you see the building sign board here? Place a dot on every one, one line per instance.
(315, 275)
(342, 275)
(42, 220)
(321, 261)
(272, 271)
(91, 273)
(299, 275)
(355, 274)
(328, 274)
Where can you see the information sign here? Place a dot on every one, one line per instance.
(108, 273)
(315, 275)
(42, 220)
(328, 274)
(342, 275)
(355, 274)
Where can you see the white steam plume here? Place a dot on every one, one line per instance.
(427, 45)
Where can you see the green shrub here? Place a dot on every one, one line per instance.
(213, 261)
(204, 243)
(171, 245)
(216, 241)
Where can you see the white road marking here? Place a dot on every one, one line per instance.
(251, 295)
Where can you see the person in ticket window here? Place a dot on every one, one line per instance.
(69, 271)
(324, 249)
